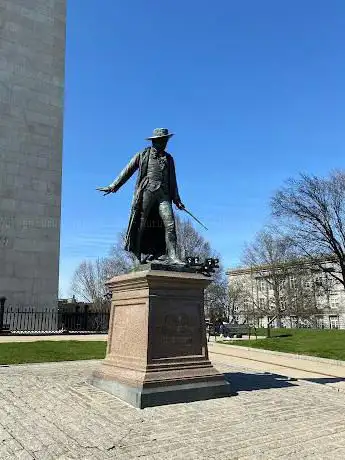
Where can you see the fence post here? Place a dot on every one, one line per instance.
(2, 310)
(86, 314)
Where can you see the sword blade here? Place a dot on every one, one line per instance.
(188, 212)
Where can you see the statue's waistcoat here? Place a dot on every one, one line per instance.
(157, 173)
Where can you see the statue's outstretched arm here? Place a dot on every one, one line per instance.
(123, 177)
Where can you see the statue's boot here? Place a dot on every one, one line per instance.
(138, 243)
(148, 257)
(171, 244)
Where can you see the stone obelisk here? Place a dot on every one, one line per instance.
(32, 63)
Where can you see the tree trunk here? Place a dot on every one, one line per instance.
(277, 305)
(268, 331)
(342, 266)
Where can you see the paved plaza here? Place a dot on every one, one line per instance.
(48, 411)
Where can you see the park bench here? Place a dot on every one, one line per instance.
(236, 330)
(228, 330)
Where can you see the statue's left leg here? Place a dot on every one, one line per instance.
(147, 202)
(167, 215)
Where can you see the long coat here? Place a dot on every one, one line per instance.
(153, 236)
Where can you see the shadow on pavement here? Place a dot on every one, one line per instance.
(325, 380)
(253, 382)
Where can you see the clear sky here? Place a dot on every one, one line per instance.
(253, 89)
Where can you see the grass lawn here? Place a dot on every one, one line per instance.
(44, 351)
(323, 343)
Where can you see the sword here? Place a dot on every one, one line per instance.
(188, 212)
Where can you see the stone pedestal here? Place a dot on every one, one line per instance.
(157, 348)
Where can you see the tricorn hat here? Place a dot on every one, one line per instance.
(160, 132)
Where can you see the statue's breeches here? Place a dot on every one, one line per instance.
(160, 198)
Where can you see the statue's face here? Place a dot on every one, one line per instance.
(160, 143)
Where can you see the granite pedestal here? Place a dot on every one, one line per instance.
(157, 348)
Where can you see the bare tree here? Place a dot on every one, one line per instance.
(269, 258)
(88, 281)
(119, 260)
(255, 307)
(190, 242)
(217, 298)
(311, 210)
(90, 276)
(251, 311)
(300, 295)
(238, 299)
(283, 285)
(324, 284)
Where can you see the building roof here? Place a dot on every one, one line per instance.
(265, 267)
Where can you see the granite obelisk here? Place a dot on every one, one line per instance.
(32, 62)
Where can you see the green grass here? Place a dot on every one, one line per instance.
(322, 343)
(45, 351)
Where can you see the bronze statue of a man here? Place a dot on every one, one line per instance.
(151, 230)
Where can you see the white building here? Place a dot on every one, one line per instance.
(308, 296)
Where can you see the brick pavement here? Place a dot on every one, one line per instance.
(48, 411)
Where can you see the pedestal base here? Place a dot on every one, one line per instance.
(157, 348)
(170, 394)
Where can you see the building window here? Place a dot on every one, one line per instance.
(262, 285)
(334, 303)
(262, 303)
(283, 300)
(334, 322)
(318, 281)
(319, 323)
(292, 282)
(293, 321)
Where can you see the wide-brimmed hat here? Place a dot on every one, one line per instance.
(160, 132)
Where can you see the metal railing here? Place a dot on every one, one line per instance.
(19, 320)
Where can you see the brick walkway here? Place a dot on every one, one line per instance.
(47, 411)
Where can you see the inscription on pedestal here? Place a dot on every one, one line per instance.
(177, 330)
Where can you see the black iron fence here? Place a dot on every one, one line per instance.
(54, 321)
(94, 321)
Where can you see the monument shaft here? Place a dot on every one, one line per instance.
(32, 62)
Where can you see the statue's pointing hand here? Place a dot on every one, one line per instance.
(106, 190)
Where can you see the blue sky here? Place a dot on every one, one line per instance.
(254, 90)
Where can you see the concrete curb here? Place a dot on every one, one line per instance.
(321, 366)
(327, 361)
(56, 337)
